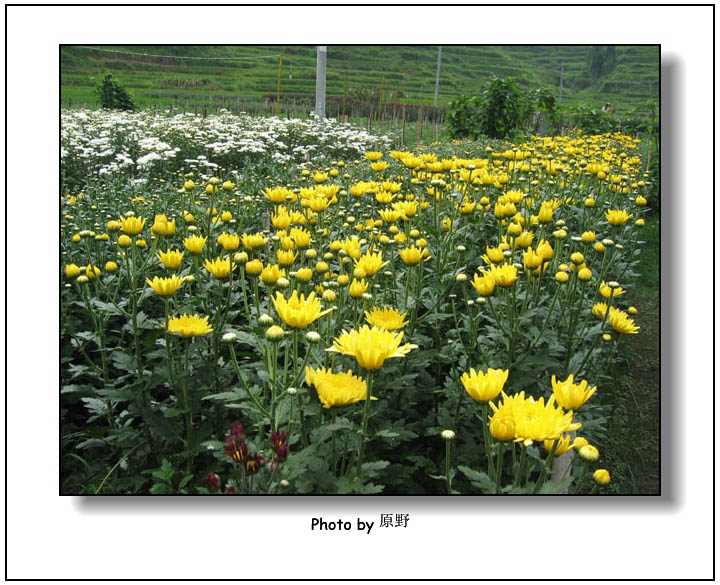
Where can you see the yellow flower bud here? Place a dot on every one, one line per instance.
(601, 476)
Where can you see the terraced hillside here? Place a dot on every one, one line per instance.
(401, 74)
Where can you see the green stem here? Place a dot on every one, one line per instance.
(499, 467)
(259, 406)
(366, 415)
(114, 467)
(546, 466)
(581, 477)
(447, 466)
(521, 464)
(187, 405)
(486, 438)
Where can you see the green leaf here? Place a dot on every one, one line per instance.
(107, 308)
(479, 479)
(552, 487)
(372, 468)
(77, 388)
(165, 472)
(224, 396)
(96, 405)
(512, 489)
(387, 434)
(325, 432)
(184, 481)
(347, 485)
(123, 361)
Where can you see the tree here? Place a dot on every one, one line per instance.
(602, 59)
(113, 96)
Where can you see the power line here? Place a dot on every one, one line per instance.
(177, 57)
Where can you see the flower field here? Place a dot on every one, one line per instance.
(286, 307)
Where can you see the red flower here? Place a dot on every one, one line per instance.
(212, 482)
(237, 451)
(278, 438)
(281, 452)
(253, 463)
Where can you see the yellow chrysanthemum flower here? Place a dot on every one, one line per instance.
(220, 267)
(386, 318)
(535, 420)
(571, 396)
(286, 257)
(162, 226)
(599, 310)
(189, 326)
(617, 216)
(271, 273)
(91, 271)
(544, 249)
(621, 323)
(385, 197)
(523, 240)
(170, 259)
(298, 312)
(493, 255)
(606, 291)
(357, 287)
(132, 225)
(411, 256)
(165, 287)
(304, 274)
(280, 220)
(253, 241)
(484, 386)
(301, 237)
(502, 427)
(72, 270)
(370, 263)
(389, 215)
(277, 195)
(379, 166)
(351, 246)
(373, 156)
(336, 389)
(229, 242)
(564, 445)
(504, 275)
(531, 259)
(194, 244)
(318, 204)
(484, 285)
(254, 267)
(371, 347)
(406, 208)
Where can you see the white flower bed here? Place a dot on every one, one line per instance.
(97, 144)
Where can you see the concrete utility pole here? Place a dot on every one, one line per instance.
(437, 77)
(320, 82)
(277, 100)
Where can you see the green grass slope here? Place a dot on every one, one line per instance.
(404, 74)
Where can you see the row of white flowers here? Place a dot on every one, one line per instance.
(99, 144)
